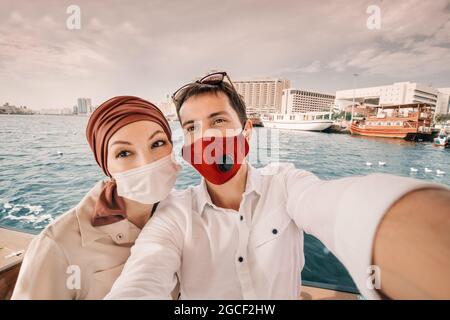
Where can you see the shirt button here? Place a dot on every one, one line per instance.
(274, 231)
(240, 259)
(242, 218)
(119, 236)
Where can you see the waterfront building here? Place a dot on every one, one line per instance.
(443, 104)
(84, 106)
(262, 96)
(10, 109)
(167, 107)
(396, 94)
(295, 101)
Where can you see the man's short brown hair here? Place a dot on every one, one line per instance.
(196, 89)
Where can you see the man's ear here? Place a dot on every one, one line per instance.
(248, 130)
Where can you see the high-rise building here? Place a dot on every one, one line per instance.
(262, 96)
(90, 107)
(443, 104)
(65, 111)
(395, 94)
(84, 106)
(167, 107)
(301, 101)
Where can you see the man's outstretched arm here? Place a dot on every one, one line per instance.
(390, 232)
(412, 246)
(150, 271)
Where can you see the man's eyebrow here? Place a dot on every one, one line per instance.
(212, 115)
(215, 114)
(187, 122)
(121, 142)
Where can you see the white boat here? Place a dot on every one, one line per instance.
(442, 140)
(311, 121)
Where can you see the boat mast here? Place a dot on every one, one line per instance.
(354, 88)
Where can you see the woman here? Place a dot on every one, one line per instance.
(80, 254)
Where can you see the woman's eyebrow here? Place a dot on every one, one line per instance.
(129, 143)
(155, 133)
(120, 142)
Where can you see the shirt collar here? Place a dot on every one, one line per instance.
(254, 181)
(120, 232)
(253, 184)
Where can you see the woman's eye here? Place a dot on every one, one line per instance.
(123, 154)
(158, 143)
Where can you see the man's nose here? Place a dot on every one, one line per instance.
(211, 132)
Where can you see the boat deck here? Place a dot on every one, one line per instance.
(13, 242)
(12, 247)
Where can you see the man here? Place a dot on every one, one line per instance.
(239, 234)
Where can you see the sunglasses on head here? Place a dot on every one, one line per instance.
(213, 79)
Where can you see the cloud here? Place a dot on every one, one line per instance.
(313, 67)
(149, 48)
(414, 42)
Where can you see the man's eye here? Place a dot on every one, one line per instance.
(191, 128)
(218, 121)
(158, 144)
(123, 154)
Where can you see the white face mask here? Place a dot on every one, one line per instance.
(150, 183)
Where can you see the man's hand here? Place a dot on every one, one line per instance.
(412, 246)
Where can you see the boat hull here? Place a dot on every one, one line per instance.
(441, 142)
(397, 133)
(313, 125)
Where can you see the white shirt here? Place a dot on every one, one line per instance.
(257, 252)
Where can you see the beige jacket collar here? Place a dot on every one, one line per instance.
(120, 232)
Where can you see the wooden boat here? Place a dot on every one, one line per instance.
(408, 121)
(13, 244)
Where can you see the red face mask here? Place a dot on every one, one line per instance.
(217, 159)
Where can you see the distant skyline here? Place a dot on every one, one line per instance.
(150, 48)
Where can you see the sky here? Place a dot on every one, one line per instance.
(150, 48)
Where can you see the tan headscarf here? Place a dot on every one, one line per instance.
(109, 117)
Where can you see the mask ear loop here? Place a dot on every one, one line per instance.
(243, 130)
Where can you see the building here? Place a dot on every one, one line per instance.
(168, 107)
(443, 104)
(66, 111)
(301, 101)
(396, 94)
(50, 111)
(262, 96)
(84, 106)
(10, 109)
